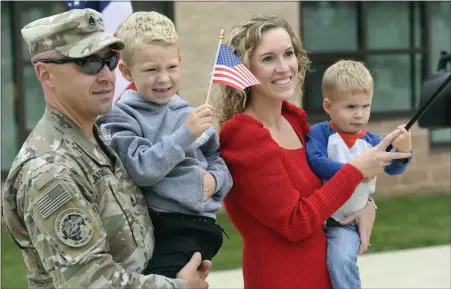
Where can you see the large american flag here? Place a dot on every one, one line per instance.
(113, 13)
(230, 71)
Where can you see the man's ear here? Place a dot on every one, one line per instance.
(125, 71)
(44, 75)
(326, 105)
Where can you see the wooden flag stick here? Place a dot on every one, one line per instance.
(221, 36)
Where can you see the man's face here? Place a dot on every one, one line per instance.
(84, 94)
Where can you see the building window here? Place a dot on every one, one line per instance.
(324, 23)
(385, 36)
(388, 25)
(164, 7)
(393, 87)
(9, 95)
(441, 138)
(439, 17)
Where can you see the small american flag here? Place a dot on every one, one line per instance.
(231, 72)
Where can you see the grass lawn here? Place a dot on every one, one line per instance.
(401, 223)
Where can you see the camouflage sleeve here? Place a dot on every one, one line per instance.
(67, 232)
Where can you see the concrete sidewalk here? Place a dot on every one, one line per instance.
(428, 267)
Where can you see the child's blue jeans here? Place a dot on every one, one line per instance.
(343, 243)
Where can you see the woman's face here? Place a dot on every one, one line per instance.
(275, 65)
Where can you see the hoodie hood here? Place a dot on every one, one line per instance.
(135, 100)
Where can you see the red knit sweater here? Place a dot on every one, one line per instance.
(278, 205)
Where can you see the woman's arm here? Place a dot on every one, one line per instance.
(263, 187)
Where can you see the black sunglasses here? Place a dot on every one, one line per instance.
(89, 65)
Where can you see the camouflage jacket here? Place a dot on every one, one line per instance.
(76, 215)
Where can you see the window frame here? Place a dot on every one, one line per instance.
(164, 7)
(438, 146)
(435, 146)
(363, 52)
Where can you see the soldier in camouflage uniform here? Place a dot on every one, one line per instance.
(68, 202)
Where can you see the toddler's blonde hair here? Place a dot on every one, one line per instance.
(346, 77)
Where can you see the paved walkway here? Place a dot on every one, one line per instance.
(428, 267)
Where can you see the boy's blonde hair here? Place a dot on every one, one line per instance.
(346, 77)
(145, 28)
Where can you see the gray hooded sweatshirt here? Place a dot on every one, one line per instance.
(162, 156)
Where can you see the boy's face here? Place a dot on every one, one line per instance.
(155, 69)
(349, 113)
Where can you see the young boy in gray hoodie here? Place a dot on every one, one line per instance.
(168, 148)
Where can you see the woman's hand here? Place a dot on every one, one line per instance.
(365, 219)
(373, 161)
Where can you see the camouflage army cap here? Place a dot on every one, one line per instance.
(75, 33)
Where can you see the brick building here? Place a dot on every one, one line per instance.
(400, 42)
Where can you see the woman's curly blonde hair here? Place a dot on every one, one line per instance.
(244, 39)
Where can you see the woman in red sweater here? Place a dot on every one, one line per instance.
(277, 203)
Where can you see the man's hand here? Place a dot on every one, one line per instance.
(403, 142)
(195, 272)
(209, 185)
(200, 119)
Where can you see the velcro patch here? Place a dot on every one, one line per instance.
(99, 174)
(52, 200)
(74, 227)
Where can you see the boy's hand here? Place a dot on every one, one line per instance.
(403, 142)
(200, 119)
(209, 185)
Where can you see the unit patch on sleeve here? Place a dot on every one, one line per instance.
(74, 227)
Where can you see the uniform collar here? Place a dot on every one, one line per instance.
(66, 126)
